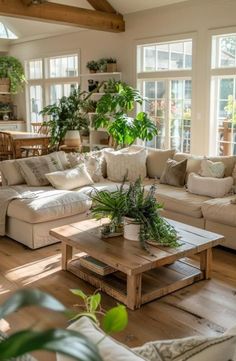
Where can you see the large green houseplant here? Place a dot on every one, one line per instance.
(66, 115)
(114, 112)
(67, 342)
(12, 69)
(140, 207)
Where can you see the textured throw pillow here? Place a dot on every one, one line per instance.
(126, 162)
(174, 173)
(70, 178)
(94, 161)
(156, 160)
(34, 169)
(207, 186)
(109, 348)
(198, 348)
(212, 169)
(11, 175)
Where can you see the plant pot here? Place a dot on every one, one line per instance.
(4, 85)
(111, 68)
(92, 71)
(131, 229)
(72, 138)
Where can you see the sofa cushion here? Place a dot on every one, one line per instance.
(180, 201)
(212, 169)
(156, 161)
(220, 210)
(109, 348)
(174, 173)
(229, 162)
(11, 174)
(197, 348)
(126, 162)
(70, 178)
(48, 204)
(208, 186)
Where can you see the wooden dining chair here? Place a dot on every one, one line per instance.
(7, 150)
(36, 150)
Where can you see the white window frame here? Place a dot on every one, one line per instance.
(45, 81)
(213, 74)
(176, 74)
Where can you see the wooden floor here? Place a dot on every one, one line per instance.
(205, 308)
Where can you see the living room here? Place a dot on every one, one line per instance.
(149, 89)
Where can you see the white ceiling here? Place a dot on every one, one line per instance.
(30, 30)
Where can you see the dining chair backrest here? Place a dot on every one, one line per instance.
(40, 128)
(6, 146)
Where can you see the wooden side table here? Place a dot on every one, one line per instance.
(68, 149)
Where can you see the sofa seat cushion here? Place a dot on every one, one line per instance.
(180, 201)
(220, 210)
(48, 204)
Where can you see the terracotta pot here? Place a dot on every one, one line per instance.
(72, 138)
(131, 229)
(4, 85)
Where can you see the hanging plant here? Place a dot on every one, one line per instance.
(12, 69)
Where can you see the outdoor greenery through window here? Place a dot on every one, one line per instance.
(165, 79)
(223, 94)
(48, 80)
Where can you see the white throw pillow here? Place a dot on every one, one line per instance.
(207, 186)
(110, 349)
(70, 178)
(124, 162)
(212, 169)
(11, 175)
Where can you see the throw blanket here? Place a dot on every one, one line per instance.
(7, 194)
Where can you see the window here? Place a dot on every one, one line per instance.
(165, 80)
(48, 80)
(223, 94)
(6, 33)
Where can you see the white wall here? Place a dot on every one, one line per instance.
(198, 16)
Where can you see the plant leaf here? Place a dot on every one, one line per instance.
(94, 301)
(115, 320)
(79, 293)
(30, 297)
(67, 342)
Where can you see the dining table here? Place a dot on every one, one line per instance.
(25, 139)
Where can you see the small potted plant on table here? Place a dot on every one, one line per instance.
(138, 211)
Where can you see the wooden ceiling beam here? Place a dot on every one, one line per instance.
(102, 5)
(63, 14)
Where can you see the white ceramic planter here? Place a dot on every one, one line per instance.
(131, 229)
(72, 138)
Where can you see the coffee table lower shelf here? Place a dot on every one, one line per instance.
(138, 289)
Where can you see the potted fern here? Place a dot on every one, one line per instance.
(12, 76)
(138, 211)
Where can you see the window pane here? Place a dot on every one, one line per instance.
(224, 51)
(35, 69)
(166, 56)
(57, 91)
(225, 115)
(36, 103)
(64, 66)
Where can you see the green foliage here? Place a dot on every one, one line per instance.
(230, 109)
(113, 112)
(141, 205)
(12, 68)
(68, 114)
(115, 320)
(68, 342)
(92, 65)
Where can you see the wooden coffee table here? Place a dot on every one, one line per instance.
(141, 276)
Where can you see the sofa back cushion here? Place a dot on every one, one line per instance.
(229, 162)
(126, 162)
(156, 161)
(10, 173)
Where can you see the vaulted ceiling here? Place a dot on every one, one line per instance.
(31, 29)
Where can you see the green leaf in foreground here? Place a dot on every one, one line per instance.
(30, 297)
(79, 293)
(115, 320)
(67, 342)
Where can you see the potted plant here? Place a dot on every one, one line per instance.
(111, 65)
(92, 66)
(114, 112)
(138, 211)
(12, 76)
(102, 65)
(67, 118)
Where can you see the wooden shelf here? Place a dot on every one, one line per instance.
(7, 93)
(99, 74)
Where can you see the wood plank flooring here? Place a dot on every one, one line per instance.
(205, 308)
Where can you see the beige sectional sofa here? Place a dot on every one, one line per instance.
(29, 219)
